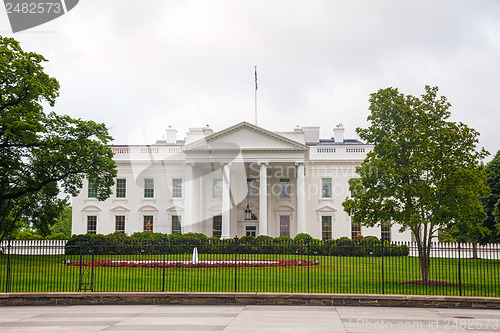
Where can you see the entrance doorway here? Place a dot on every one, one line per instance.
(248, 228)
(251, 230)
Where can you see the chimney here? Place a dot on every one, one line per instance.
(207, 130)
(338, 133)
(311, 134)
(171, 136)
(197, 133)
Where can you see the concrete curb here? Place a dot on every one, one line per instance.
(188, 298)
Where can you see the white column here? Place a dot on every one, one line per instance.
(201, 211)
(226, 201)
(188, 199)
(301, 211)
(263, 198)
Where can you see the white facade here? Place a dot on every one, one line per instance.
(292, 182)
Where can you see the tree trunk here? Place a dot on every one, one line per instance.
(425, 262)
(474, 251)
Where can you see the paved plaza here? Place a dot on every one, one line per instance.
(233, 318)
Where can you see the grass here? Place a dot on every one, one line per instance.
(334, 274)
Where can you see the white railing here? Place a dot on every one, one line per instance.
(450, 250)
(33, 247)
(147, 153)
(325, 150)
(339, 152)
(354, 150)
(120, 151)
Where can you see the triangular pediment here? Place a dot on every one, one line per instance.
(245, 137)
(326, 209)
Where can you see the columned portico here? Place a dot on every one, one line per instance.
(263, 198)
(189, 199)
(226, 201)
(301, 211)
(229, 155)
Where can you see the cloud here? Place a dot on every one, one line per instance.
(125, 62)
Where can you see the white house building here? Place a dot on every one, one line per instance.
(243, 180)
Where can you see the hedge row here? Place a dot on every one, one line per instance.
(158, 243)
(31, 235)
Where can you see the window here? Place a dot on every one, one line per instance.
(92, 193)
(326, 187)
(326, 227)
(355, 230)
(217, 192)
(284, 225)
(217, 226)
(148, 223)
(91, 224)
(120, 223)
(252, 188)
(121, 188)
(177, 187)
(176, 224)
(251, 230)
(385, 233)
(284, 188)
(149, 188)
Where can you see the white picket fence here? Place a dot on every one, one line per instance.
(450, 250)
(33, 247)
(439, 250)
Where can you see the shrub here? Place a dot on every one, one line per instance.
(302, 237)
(31, 235)
(283, 239)
(372, 239)
(146, 236)
(263, 238)
(57, 236)
(27, 235)
(247, 240)
(177, 243)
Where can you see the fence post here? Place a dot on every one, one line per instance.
(308, 252)
(235, 264)
(80, 278)
(84, 284)
(164, 252)
(7, 280)
(459, 271)
(92, 271)
(383, 281)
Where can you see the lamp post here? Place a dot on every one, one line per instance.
(248, 213)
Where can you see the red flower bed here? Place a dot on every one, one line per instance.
(188, 264)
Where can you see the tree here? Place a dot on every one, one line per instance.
(488, 231)
(423, 171)
(491, 201)
(40, 153)
(63, 224)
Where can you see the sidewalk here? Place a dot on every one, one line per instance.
(234, 318)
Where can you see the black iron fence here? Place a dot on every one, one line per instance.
(236, 266)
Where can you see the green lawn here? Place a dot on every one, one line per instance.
(333, 275)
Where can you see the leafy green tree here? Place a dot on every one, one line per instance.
(486, 231)
(63, 224)
(492, 200)
(423, 171)
(40, 153)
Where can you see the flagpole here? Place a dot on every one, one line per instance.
(256, 95)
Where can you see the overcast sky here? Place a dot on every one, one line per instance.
(140, 66)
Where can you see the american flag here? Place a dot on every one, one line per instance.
(255, 77)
